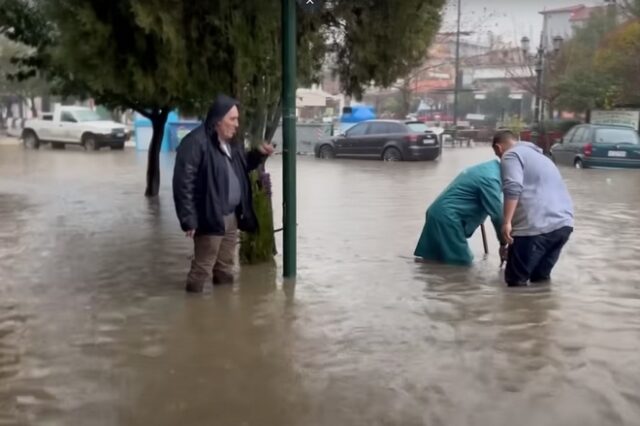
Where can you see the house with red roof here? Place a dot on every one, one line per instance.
(563, 21)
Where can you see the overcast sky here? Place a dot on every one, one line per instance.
(512, 19)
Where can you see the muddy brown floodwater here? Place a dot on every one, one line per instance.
(95, 328)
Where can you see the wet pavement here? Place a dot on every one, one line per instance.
(95, 328)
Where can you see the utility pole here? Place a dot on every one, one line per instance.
(456, 90)
(289, 136)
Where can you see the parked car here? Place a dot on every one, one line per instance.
(388, 140)
(589, 145)
(74, 125)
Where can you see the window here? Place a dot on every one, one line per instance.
(418, 127)
(66, 117)
(569, 135)
(357, 130)
(396, 128)
(377, 129)
(580, 136)
(384, 128)
(87, 115)
(617, 136)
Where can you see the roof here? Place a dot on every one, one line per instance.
(381, 120)
(584, 13)
(564, 9)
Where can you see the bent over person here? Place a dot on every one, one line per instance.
(212, 193)
(456, 214)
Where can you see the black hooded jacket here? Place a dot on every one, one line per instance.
(200, 179)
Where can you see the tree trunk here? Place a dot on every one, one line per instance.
(34, 110)
(158, 119)
(21, 106)
(262, 122)
(273, 120)
(46, 103)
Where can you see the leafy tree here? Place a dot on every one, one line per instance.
(13, 88)
(467, 104)
(156, 55)
(578, 85)
(498, 102)
(23, 31)
(631, 8)
(618, 59)
(586, 89)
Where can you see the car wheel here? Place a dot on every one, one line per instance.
(57, 145)
(90, 143)
(578, 164)
(118, 146)
(327, 152)
(392, 154)
(31, 140)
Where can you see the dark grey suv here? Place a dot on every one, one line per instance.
(389, 140)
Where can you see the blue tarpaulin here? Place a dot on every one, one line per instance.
(358, 114)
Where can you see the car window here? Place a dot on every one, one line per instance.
(382, 128)
(396, 128)
(66, 117)
(357, 130)
(616, 136)
(569, 135)
(377, 128)
(418, 127)
(580, 136)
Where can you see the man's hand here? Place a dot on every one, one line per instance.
(506, 233)
(190, 233)
(266, 149)
(504, 252)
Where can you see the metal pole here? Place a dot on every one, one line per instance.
(536, 113)
(289, 136)
(485, 244)
(457, 82)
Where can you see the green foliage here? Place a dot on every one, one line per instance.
(466, 103)
(582, 86)
(10, 84)
(259, 247)
(379, 41)
(631, 8)
(515, 124)
(497, 102)
(585, 89)
(156, 55)
(618, 59)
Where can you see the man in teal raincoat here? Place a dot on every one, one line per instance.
(456, 214)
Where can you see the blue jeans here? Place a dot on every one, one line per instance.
(533, 258)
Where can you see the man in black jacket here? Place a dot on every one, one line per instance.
(212, 193)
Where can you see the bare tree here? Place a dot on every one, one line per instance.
(631, 8)
(523, 75)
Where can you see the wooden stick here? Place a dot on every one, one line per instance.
(484, 239)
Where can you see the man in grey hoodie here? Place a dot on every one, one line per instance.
(538, 211)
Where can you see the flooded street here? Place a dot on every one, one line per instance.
(96, 329)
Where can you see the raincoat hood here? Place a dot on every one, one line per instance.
(220, 107)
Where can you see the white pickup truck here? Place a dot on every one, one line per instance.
(74, 125)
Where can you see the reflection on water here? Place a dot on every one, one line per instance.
(95, 327)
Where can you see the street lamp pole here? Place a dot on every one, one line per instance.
(539, 67)
(289, 136)
(541, 55)
(456, 90)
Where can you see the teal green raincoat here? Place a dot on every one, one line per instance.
(456, 214)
